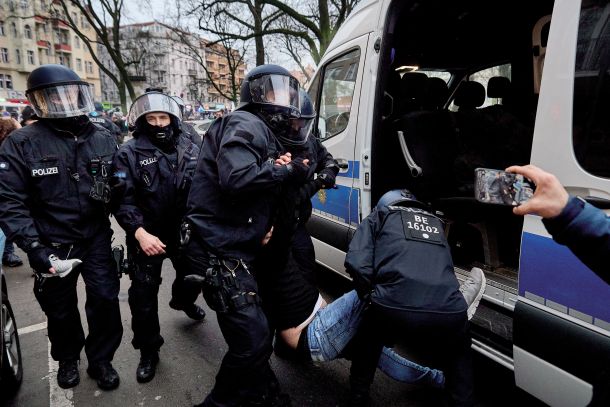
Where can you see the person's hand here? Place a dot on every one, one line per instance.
(150, 244)
(298, 169)
(327, 176)
(39, 259)
(550, 196)
(284, 159)
(267, 237)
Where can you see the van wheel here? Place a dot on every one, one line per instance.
(12, 368)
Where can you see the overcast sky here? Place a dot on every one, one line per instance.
(139, 11)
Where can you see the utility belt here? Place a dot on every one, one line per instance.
(222, 289)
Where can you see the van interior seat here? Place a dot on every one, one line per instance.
(437, 93)
(498, 87)
(412, 90)
(469, 95)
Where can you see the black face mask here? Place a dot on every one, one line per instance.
(162, 137)
(74, 125)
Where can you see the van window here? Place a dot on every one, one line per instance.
(483, 77)
(591, 127)
(338, 83)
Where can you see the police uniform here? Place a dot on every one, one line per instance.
(401, 263)
(53, 188)
(106, 123)
(230, 209)
(190, 133)
(152, 194)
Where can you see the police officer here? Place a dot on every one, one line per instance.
(401, 264)
(188, 130)
(155, 171)
(98, 117)
(230, 209)
(54, 191)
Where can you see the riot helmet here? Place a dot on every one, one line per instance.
(400, 197)
(155, 102)
(300, 128)
(273, 93)
(57, 92)
(98, 107)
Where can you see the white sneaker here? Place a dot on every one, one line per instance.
(472, 289)
(62, 267)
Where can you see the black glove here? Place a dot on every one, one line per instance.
(327, 176)
(298, 170)
(38, 257)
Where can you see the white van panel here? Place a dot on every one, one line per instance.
(548, 383)
(362, 20)
(552, 148)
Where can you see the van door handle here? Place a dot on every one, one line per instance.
(601, 203)
(342, 163)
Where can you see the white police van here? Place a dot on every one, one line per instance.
(416, 94)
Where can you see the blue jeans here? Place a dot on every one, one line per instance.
(336, 324)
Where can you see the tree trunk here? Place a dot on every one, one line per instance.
(258, 30)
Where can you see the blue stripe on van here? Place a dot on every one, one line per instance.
(333, 202)
(353, 170)
(553, 272)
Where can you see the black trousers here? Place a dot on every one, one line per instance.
(303, 253)
(143, 295)
(438, 340)
(245, 374)
(58, 299)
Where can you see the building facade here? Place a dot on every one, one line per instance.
(165, 57)
(33, 33)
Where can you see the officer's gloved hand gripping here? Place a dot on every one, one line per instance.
(38, 256)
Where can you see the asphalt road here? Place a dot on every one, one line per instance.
(191, 356)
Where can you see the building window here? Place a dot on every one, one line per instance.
(74, 18)
(27, 31)
(24, 4)
(2, 32)
(79, 64)
(43, 5)
(4, 55)
(31, 57)
(6, 81)
(77, 41)
(14, 29)
(89, 67)
(18, 56)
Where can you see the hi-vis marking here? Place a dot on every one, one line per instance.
(39, 172)
(148, 161)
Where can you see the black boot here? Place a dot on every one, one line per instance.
(147, 366)
(107, 378)
(193, 311)
(67, 374)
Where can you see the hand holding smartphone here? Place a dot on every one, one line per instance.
(501, 187)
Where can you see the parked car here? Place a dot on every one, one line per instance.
(200, 126)
(11, 368)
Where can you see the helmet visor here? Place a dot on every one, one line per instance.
(62, 101)
(153, 102)
(278, 90)
(300, 131)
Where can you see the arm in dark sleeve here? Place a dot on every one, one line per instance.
(241, 164)
(586, 231)
(360, 258)
(324, 158)
(124, 199)
(15, 218)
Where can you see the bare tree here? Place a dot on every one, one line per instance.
(229, 50)
(104, 16)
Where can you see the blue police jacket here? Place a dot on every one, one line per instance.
(231, 203)
(152, 190)
(400, 257)
(46, 180)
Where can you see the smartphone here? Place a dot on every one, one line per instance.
(501, 187)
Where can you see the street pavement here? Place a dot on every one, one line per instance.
(190, 359)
